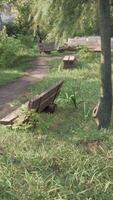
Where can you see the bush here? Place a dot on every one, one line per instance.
(9, 50)
(27, 40)
(12, 29)
(85, 54)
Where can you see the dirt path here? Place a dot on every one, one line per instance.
(18, 90)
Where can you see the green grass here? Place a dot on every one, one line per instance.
(60, 156)
(11, 74)
(18, 69)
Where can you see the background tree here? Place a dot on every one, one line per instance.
(63, 19)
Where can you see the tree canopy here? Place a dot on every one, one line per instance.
(62, 19)
(58, 19)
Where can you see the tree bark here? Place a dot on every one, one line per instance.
(0, 23)
(102, 112)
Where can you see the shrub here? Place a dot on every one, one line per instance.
(9, 50)
(27, 40)
(84, 52)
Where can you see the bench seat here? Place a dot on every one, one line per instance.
(69, 61)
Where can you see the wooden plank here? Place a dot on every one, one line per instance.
(71, 58)
(45, 103)
(37, 100)
(34, 103)
(37, 103)
(66, 58)
(69, 64)
(48, 47)
(9, 119)
(49, 100)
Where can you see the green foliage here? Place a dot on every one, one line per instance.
(9, 50)
(72, 96)
(23, 20)
(15, 52)
(26, 40)
(12, 29)
(63, 19)
(57, 20)
(83, 53)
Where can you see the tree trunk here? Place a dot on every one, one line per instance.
(0, 23)
(102, 112)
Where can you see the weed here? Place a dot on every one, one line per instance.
(86, 111)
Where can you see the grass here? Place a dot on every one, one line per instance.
(18, 69)
(60, 156)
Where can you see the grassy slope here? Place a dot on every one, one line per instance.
(60, 156)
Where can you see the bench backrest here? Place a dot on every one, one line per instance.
(40, 102)
(46, 46)
(49, 46)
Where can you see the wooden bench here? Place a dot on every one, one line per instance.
(96, 49)
(40, 103)
(45, 99)
(60, 49)
(46, 47)
(69, 62)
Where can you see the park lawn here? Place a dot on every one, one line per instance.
(60, 156)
